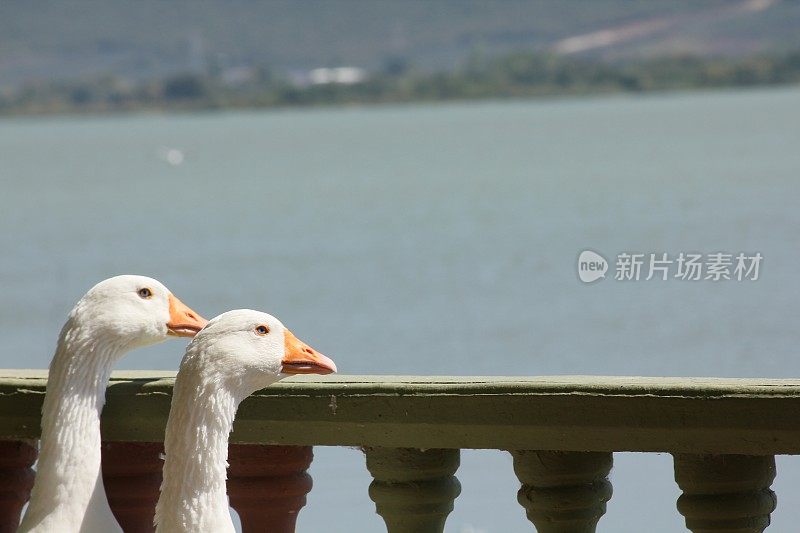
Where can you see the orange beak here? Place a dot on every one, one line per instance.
(183, 322)
(300, 358)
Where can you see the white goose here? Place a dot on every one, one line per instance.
(236, 354)
(114, 317)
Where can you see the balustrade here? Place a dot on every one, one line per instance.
(560, 431)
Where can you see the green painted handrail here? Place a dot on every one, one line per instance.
(570, 413)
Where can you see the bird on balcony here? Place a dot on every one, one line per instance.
(236, 354)
(112, 318)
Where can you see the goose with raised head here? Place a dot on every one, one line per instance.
(236, 354)
(112, 318)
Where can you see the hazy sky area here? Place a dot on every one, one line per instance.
(68, 40)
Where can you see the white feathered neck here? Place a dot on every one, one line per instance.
(68, 477)
(204, 403)
(236, 354)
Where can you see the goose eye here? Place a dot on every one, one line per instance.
(145, 293)
(262, 330)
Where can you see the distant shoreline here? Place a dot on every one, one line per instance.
(516, 76)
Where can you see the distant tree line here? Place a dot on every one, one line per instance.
(519, 75)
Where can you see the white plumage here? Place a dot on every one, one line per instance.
(114, 317)
(238, 353)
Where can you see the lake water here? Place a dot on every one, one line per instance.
(431, 240)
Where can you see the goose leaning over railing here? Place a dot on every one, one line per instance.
(114, 317)
(236, 354)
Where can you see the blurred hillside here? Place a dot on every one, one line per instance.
(81, 39)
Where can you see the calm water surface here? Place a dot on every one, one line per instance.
(431, 240)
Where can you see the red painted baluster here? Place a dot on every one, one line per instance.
(132, 477)
(16, 480)
(267, 485)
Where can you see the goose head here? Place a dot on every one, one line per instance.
(135, 311)
(251, 350)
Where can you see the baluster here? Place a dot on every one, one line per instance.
(729, 493)
(267, 485)
(16, 480)
(563, 492)
(413, 489)
(132, 478)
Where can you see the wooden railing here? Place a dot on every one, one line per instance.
(561, 432)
